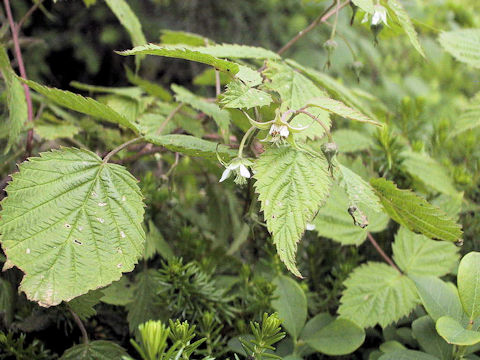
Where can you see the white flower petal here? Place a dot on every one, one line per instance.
(376, 18)
(225, 175)
(244, 171)
(233, 165)
(284, 131)
(365, 18)
(273, 129)
(310, 227)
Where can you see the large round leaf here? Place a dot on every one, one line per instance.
(71, 223)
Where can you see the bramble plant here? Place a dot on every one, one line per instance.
(260, 179)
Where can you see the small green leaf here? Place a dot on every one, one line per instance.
(454, 333)
(84, 105)
(469, 118)
(156, 244)
(71, 223)
(192, 146)
(340, 337)
(463, 44)
(95, 350)
(148, 86)
(415, 213)
(359, 191)
(291, 305)
(439, 298)
(292, 185)
(377, 294)
(418, 255)
(7, 301)
(241, 96)
(468, 282)
(51, 131)
(365, 5)
(234, 51)
(119, 293)
(172, 37)
(84, 305)
(425, 333)
(406, 24)
(131, 92)
(351, 141)
(407, 355)
(249, 76)
(181, 52)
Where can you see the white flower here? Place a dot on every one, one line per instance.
(279, 132)
(379, 16)
(310, 227)
(240, 167)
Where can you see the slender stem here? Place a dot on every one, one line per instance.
(335, 22)
(382, 253)
(325, 128)
(244, 140)
(21, 66)
(218, 89)
(119, 148)
(29, 13)
(81, 326)
(169, 118)
(322, 18)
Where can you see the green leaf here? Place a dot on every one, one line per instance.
(425, 333)
(7, 304)
(181, 52)
(296, 91)
(454, 333)
(315, 324)
(234, 51)
(182, 37)
(418, 255)
(241, 96)
(291, 305)
(16, 103)
(468, 282)
(95, 350)
(249, 76)
(406, 24)
(359, 191)
(51, 131)
(87, 3)
(377, 294)
(439, 298)
(407, 355)
(129, 21)
(148, 86)
(463, 45)
(131, 92)
(156, 244)
(292, 185)
(365, 5)
(334, 222)
(144, 306)
(351, 141)
(192, 146)
(415, 213)
(84, 105)
(429, 172)
(119, 293)
(221, 117)
(71, 223)
(84, 305)
(469, 119)
(340, 337)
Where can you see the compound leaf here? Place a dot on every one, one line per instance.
(71, 223)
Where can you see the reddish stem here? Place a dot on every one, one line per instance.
(382, 253)
(21, 66)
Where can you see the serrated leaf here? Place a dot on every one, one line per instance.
(16, 103)
(292, 185)
(84, 305)
(249, 76)
(418, 255)
(95, 350)
(182, 37)
(119, 293)
(340, 337)
(415, 213)
(234, 51)
(241, 96)
(84, 105)
(71, 223)
(131, 92)
(428, 171)
(221, 117)
(469, 119)
(406, 23)
(359, 191)
(192, 146)
(129, 21)
(463, 45)
(351, 141)
(50, 131)
(181, 52)
(454, 333)
(407, 355)
(296, 91)
(156, 244)
(468, 282)
(377, 294)
(291, 304)
(439, 298)
(334, 222)
(148, 86)
(425, 333)
(365, 5)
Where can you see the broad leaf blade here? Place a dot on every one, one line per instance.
(98, 350)
(407, 355)
(454, 333)
(359, 191)
(71, 223)
(234, 51)
(415, 213)
(468, 282)
(463, 44)
(241, 96)
(425, 333)
(292, 185)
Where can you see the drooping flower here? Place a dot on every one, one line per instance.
(379, 16)
(239, 166)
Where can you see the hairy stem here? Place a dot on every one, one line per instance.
(21, 66)
(120, 148)
(382, 253)
(81, 326)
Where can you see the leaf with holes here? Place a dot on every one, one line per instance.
(71, 223)
(292, 185)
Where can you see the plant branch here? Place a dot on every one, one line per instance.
(120, 148)
(382, 253)
(322, 18)
(325, 128)
(29, 13)
(21, 66)
(81, 326)
(218, 89)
